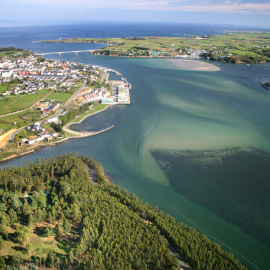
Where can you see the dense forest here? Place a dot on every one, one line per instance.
(63, 213)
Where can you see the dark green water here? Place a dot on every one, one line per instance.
(196, 144)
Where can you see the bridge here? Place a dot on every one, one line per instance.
(60, 53)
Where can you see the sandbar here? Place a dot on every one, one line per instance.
(193, 65)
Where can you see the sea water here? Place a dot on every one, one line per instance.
(195, 143)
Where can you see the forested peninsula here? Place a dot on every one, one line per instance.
(248, 47)
(63, 213)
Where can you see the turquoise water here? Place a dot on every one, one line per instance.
(196, 144)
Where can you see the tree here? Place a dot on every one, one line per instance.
(71, 256)
(16, 261)
(3, 207)
(59, 230)
(67, 226)
(31, 221)
(2, 263)
(12, 216)
(48, 231)
(51, 259)
(28, 246)
(16, 140)
(2, 243)
(21, 235)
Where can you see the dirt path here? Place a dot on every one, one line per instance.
(5, 138)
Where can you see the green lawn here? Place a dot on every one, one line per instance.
(60, 97)
(17, 103)
(4, 127)
(28, 100)
(73, 89)
(4, 87)
(21, 118)
(5, 104)
(6, 53)
(97, 107)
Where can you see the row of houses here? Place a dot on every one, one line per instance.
(97, 93)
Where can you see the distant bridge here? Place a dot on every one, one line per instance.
(60, 53)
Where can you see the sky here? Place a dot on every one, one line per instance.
(231, 12)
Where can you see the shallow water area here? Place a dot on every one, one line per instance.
(194, 143)
(193, 65)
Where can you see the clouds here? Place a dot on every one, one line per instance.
(235, 12)
(217, 6)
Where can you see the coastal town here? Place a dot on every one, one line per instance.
(40, 98)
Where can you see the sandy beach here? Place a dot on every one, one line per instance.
(193, 65)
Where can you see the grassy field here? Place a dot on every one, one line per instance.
(3, 87)
(249, 47)
(73, 89)
(40, 245)
(16, 103)
(2, 54)
(5, 103)
(96, 108)
(60, 97)
(21, 119)
(15, 54)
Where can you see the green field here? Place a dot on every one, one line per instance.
(7, 53)
(4, 126)
(21, 118)
(73, 89)
(60, 97)
(14, 54)
(97, 107)
(16, 103)
(3, 87)
(234, 47)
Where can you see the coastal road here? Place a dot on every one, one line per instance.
(57, 114)
(69, 100)
(15, 133)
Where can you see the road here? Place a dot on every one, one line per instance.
(57, 114)
(15, 133)
(69, 100)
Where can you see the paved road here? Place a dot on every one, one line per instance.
(15, 133)
(61, 110)
(69, 100)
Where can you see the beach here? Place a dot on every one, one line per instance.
(193, 65)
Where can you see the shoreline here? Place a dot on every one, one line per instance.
(192, 64)
(38, 147)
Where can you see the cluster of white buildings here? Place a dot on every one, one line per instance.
(43, 135)
(96, 94)
(34, 75)
(191, 53)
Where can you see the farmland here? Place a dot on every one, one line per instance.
(16, 103)
(60, 97)
(233, 47)
(18, 119)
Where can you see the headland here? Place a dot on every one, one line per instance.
(248, 47)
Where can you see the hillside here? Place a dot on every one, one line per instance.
(63, 213)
